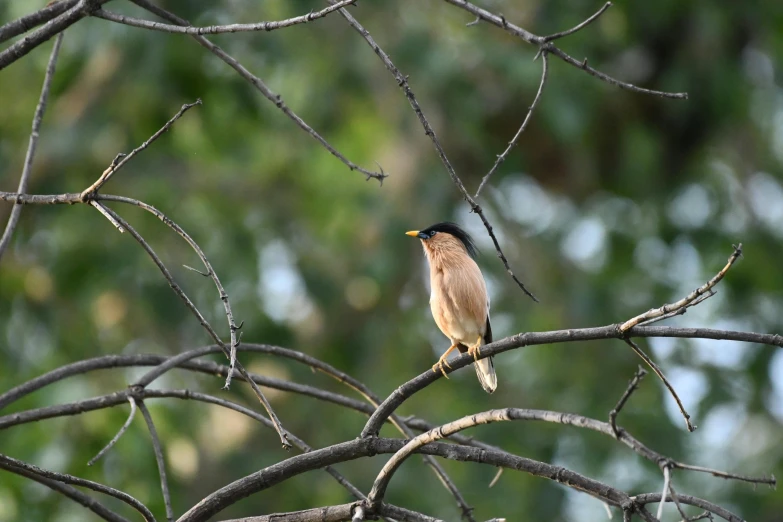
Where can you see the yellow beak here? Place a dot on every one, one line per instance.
(412, 233)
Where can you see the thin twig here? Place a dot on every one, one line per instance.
(40, 109)
(542, 44)
(164, 483)
(103, 210)
(590, 20)
(217, 29)
(114, 439)
(511, 144)
(666, 479)
(646, 358)
(686, 301)
(261, 87)
(232, 326)
(114, 167)
(402, 81)
(192, 307)
(13, 465)
(632, 386)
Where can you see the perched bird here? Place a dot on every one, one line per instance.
(458, 296)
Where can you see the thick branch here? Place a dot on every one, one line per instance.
(359, 448)
(53, 27)
(27, 22)
(14, 466)
(71, 493)
(403, 392)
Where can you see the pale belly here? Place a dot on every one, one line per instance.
(455, 324)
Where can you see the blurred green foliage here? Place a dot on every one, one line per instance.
(612, 203)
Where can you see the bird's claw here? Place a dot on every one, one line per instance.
(474, 351)
(439, 366)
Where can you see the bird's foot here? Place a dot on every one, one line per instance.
(439, 365)
(474, 350)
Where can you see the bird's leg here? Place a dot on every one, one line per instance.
(473, 350)
(439, 365)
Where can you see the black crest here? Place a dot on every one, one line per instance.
(455, 230)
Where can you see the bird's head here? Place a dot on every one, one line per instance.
(445, 236)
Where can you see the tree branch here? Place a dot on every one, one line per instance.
(192, 307)
(15, 466)
(218, 29)
(16, 210)
(511, 144)
(164, 483)
(646, 358)
(544, 44)
(403, 392)
(260, 86)
(71, 493)
(691, 299)
(402, 81)
(27, 22)
(56, 25)
(632, 386)
(119, 434)
(115, 166)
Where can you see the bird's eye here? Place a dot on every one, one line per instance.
(433, 233)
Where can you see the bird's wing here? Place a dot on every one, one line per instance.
(488, 333)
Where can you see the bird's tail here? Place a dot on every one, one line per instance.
(485, 370)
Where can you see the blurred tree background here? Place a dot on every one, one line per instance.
(612, 203)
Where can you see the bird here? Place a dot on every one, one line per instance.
(458, 297)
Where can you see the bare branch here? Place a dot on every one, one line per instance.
(513, 142)
(57, 25)
(233, 328)
(28, 160)
(544, 44)
(338, 513)
(192, 307)
(651, 498)
(579, 27)
(632, 386)
(13, 465)
(260, 86)
(164, 483)
(646, 358)
(114, 167)
(359, 448)
(103, 210)
(666, 479)
(72, 493)
(688, 300)
(403, 392)
(218, 29)
(27, 22)
(114, 439)
(402, 81)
